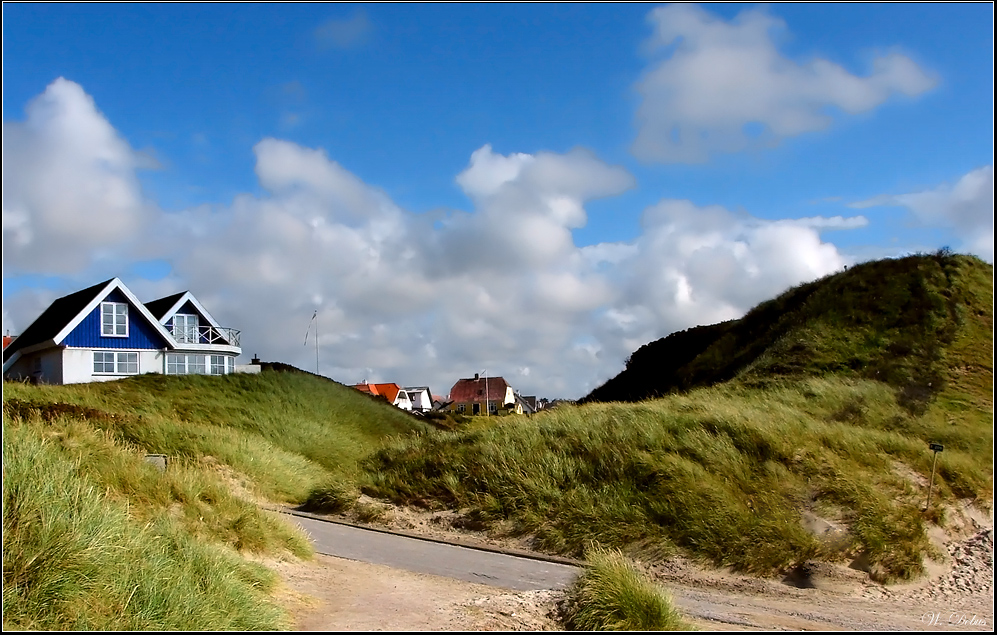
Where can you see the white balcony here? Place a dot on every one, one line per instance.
(221, 336)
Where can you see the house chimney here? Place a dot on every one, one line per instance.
(475, 376)
(255, 361)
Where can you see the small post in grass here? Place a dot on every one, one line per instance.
(936, 448)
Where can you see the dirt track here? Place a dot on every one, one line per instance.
(336, 594)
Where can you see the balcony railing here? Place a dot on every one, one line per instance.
(206, 335)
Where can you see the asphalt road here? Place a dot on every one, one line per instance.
(423, 556)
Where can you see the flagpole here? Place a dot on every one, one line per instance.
(307, 331)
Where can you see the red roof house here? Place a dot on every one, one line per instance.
(388, 391)
(468, 396)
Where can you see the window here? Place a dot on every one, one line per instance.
(103, 362)
(176, 364)
(108, 362)
(128, 363)
(491, 407)
(114, 319)
(460, 407)
(217, 365)
(185, 328)
(195, 365)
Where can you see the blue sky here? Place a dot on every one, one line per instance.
(531, 190)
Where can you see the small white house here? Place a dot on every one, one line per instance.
(103, 333)
(415, 398)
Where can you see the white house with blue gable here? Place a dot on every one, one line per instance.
(103, 333)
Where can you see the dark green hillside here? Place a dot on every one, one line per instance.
(907, 322)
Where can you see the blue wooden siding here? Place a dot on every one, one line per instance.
(141, 334)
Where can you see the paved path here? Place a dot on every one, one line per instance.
(436, 558)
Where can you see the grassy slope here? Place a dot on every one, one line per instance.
(831, 404)
(96, 538)
(905, 322)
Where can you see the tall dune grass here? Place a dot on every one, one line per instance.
(611, 594)
(96, 538)
(722, 473)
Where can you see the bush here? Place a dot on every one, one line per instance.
(331, 498)
(612, 595)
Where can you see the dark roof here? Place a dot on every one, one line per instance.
(54, 319)
(159, 307)
(470, 390)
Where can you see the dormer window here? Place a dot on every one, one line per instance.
(185, 328)
(114, 319)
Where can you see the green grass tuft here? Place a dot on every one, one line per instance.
(613, 595)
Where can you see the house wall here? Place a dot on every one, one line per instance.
(77, 364)
(141, 334)
(403, 402)
(422, 401)
(43, 366)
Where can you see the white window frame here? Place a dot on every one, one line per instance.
(119, 362)
(118, 319)
(176, 360)
(188, 363)
(216, 362)
(189, 332)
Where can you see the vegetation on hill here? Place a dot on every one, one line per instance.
(833, 392)
(905, 322)
(97, 538)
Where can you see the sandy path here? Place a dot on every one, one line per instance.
(334, 594)
(331, 593)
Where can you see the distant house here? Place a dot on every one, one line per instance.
(104, 332)
(388, 391)
(470, 396)
(415, 398)
(528, 405)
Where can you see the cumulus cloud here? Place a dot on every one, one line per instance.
(69, 186)
(701, 265)
(501, 288)
(724, 86)
(967, 208)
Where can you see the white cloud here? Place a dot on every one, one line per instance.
(721, 77)
(501, 287)
(967, 208)
(69, 184)
(701, 265)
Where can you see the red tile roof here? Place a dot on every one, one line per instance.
(388, 391)
(471, 390)
(7, 339)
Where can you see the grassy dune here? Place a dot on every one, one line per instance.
(829, 410)
(96, 538)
